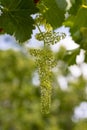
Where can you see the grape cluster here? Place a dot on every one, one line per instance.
(50, 38)
(45, 62)
(35, 52)
(45, 59)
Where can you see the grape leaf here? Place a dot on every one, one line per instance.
(75, 6)
(16, 18)
(79, 27)
(55, 11)
(81, 38)
(81, 20)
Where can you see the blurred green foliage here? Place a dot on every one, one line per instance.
(20, 99)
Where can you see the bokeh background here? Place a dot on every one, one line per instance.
(20, 93)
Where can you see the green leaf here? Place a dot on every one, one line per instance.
(16, 18)
(53, 11)
(75, 6)
(80, 23)
(81, 17)
(78, 26)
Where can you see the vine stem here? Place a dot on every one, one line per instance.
(41, 33)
